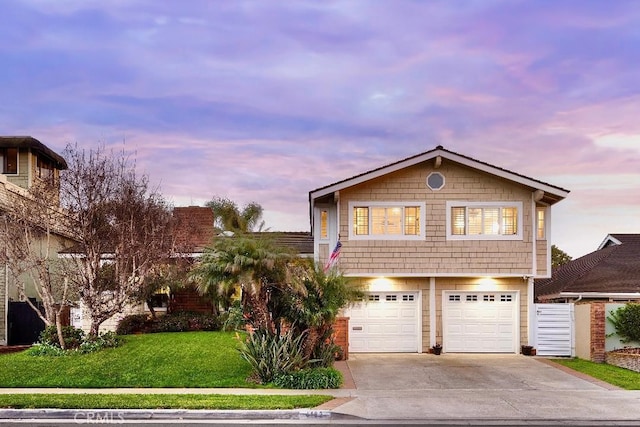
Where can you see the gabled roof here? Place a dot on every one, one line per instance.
(35, 145)
(611, 270)
(552, 193)
(301, 242)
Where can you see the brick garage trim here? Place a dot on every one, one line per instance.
(341, 335)
(598, 333)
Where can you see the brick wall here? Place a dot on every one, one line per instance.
(598, 334)
(188, 299)
(341, 338)
(628, 358)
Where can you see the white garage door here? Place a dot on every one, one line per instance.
(480, 322)
(385, 322)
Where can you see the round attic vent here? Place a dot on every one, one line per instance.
(435, 181)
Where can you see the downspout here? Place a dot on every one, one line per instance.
(534, 267)
(432, 312)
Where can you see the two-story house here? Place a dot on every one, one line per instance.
(447, 248)
(24, 163)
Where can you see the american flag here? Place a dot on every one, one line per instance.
(333, 258)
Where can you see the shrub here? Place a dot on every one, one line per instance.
(182, 321)
(271, 355)
(134, 323)
(234, 319)
(105, 340)
(325, 354)
(171, 323)
(626, 320)
(72, 336)
(45, 349)
(313, 378)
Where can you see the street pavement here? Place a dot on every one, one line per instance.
(408, 389)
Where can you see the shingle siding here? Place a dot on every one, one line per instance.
(22, 179)
(436, 254)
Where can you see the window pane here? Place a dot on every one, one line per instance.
(475, 220)
(491, 218)
(394, 221)
(457, 221)
(361, 221)
(412, 220)
(541, 223)
(44, 168)
(377, 220)
(510, 221)
(324, 232)
(9, 160)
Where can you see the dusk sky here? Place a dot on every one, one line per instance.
(266, 100)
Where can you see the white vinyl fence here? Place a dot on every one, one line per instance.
(554, 329)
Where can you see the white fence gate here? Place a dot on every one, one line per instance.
(554, 329)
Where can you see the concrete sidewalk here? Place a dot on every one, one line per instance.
(423, 389)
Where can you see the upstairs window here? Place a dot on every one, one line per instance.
(324, 224)
(44, 169)
(488, 221)
(386, 220)
(9, 161)
(541, 221)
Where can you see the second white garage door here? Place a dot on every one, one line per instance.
(480, 322)
(386, 322)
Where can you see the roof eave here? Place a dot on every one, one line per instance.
(556, 193)
(635, 295)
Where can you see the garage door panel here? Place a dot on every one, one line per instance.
(387, 322)
(480, 321)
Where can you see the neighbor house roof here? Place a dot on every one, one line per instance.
(612, 270)
(301, 242)
(33, 144)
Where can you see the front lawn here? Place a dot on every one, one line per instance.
(160, 401)
(186, 359)
(620, 377)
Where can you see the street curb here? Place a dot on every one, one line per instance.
(114, 415)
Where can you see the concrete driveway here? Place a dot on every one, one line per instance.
(478, 387)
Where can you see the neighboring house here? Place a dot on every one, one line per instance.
(447, 248)
(193, 233)
(611, 273)
(24, 161)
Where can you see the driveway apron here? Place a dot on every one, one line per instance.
(479, 387)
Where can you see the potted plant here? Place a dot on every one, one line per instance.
(527, 350)
(436, 349)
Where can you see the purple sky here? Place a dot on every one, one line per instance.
(264, 101)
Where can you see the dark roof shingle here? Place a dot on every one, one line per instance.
(613, 269)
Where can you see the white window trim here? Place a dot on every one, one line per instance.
(403, 204)
(454, 203)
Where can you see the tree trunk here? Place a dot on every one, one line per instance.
(150, 307)
(63, 345)
(95, 327)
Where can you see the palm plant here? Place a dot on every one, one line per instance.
(229, 217)
(255, 265)
(315, 306)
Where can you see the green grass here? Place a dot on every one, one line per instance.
(188, 359)
(160, 401)
(620, 377)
